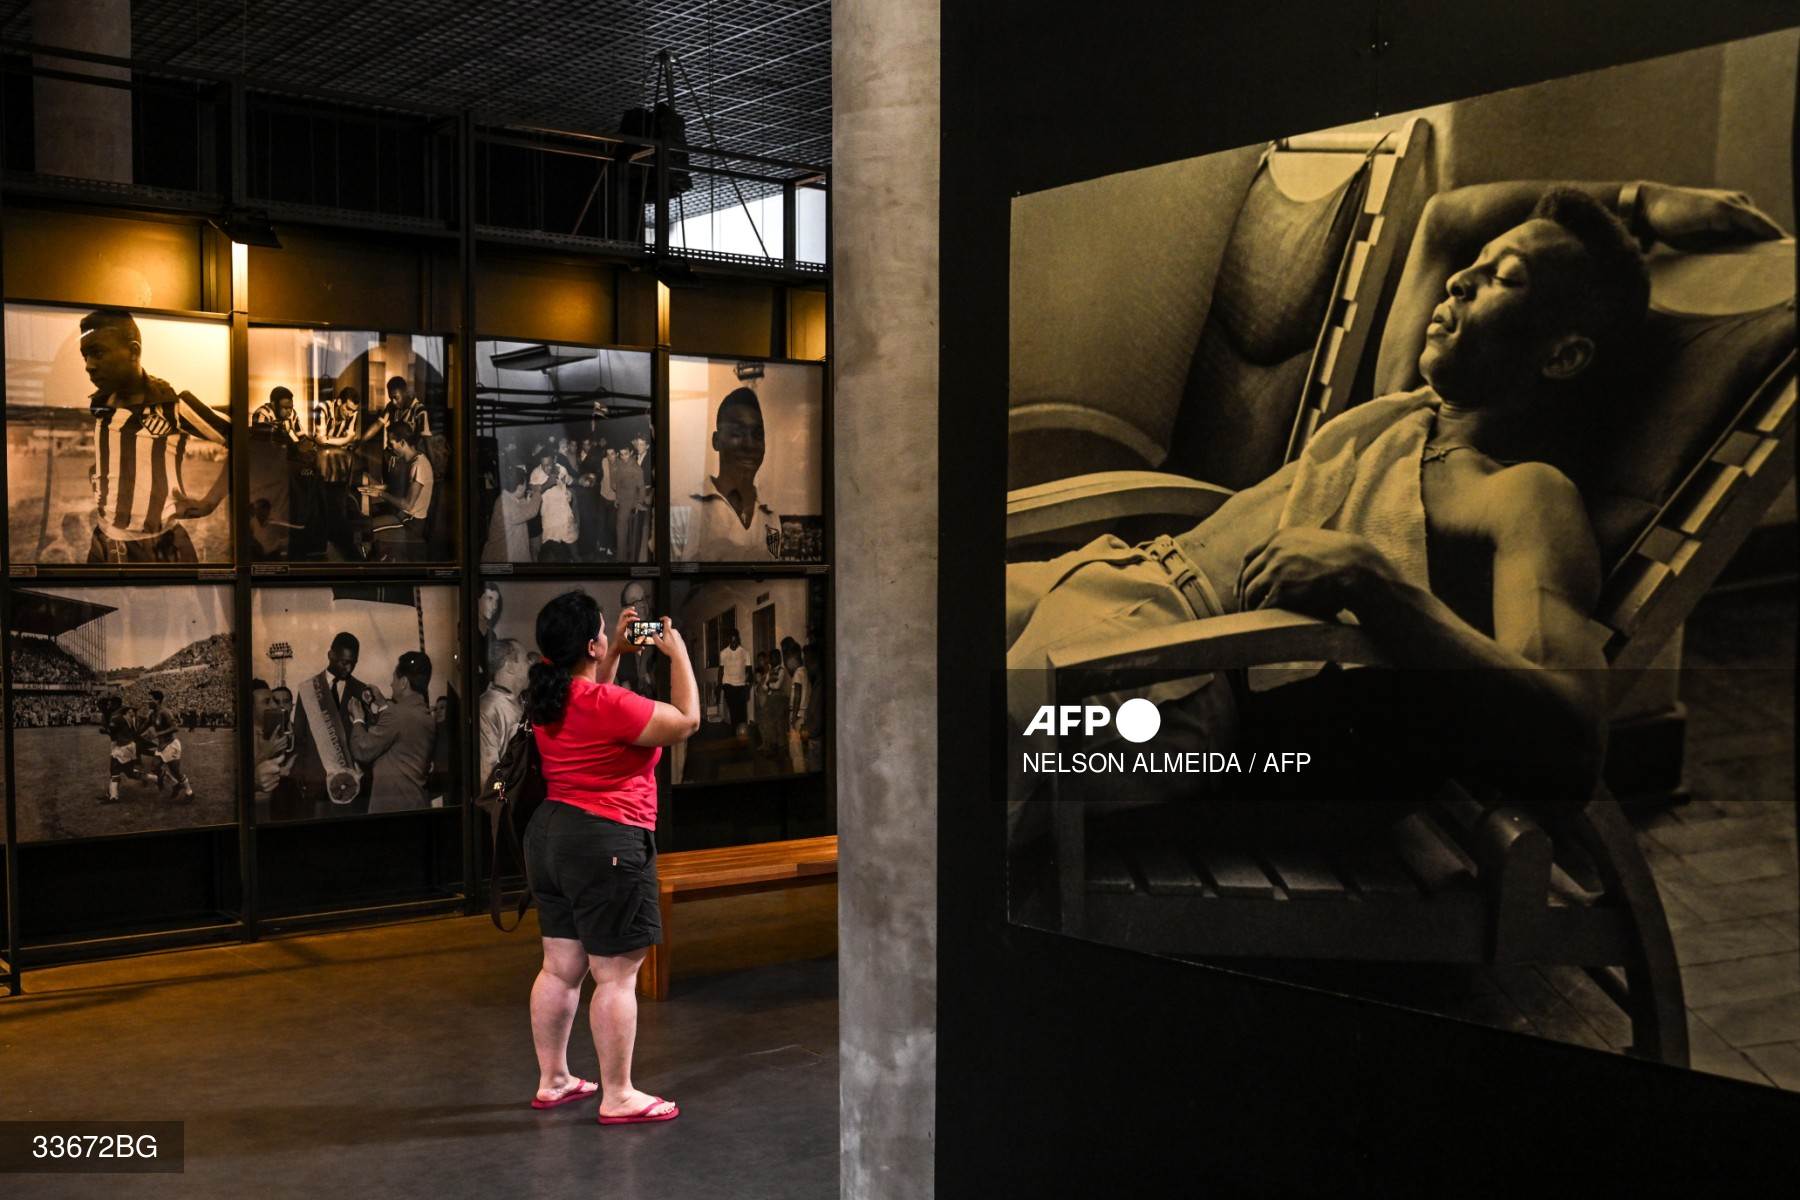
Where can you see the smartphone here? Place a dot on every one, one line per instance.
(642, 632)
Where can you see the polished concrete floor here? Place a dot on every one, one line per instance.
(397, 1062)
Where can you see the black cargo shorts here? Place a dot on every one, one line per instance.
(594, 880)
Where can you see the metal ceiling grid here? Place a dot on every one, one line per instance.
(763, 67)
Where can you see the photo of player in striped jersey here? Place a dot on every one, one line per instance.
(142, 422)
(118, 436)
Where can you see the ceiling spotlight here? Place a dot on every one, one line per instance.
(247, 227)
(672, 274)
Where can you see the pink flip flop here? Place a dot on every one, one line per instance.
(581, 1091)
(644, 1117)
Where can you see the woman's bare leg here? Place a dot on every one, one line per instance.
(555, 995)
(613, 1015)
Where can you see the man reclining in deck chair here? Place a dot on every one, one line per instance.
(1443, 520)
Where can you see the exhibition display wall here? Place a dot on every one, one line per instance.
(275, 546)
(1299, 1090)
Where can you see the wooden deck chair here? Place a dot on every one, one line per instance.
(1293, 303)
(1689, 462)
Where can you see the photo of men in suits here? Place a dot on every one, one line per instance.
(349, 746)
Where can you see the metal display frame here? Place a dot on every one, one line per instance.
(9, 835)
(223, 166)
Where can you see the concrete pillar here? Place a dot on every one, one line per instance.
(884, 223)
(83, 130)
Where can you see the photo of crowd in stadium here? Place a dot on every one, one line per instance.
(568, 453)
(123, 710)
(757, 646)
(745, 461)
(350, 447)
(117, 437)
(355, 700)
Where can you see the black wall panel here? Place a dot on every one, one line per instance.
(1065, 1068)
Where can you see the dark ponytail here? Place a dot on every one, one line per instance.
(565, 626)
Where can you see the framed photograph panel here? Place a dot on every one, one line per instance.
(745, 461)
(352, 447)
(568, 446)
(757, 649)
(124, 706)
(118, 435)
(1182, 811)
(508, 626)
(356, 699)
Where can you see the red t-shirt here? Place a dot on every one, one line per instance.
(589, 761)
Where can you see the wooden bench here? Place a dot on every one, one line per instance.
(729, 871)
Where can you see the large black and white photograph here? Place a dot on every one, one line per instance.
(568, 450)
(757, 646)
(124, 703)
(356, 700)
(507, 615)
(1391, 602)
(745, 461)
(118, 437)
(352, 449)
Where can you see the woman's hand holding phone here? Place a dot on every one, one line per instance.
(666, 641)
(622, 631)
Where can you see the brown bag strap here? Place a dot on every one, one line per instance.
(500, 822)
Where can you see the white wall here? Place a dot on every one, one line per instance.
(695, 605)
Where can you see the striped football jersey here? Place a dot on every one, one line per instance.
(140, 445)
(339, 427)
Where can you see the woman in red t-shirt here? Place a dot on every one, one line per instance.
(590, 851)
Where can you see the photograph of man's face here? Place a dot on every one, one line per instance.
(738, 436)
(110, 355)
(636, 594)
(341, 661)
(744, 461)
(262, 706)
